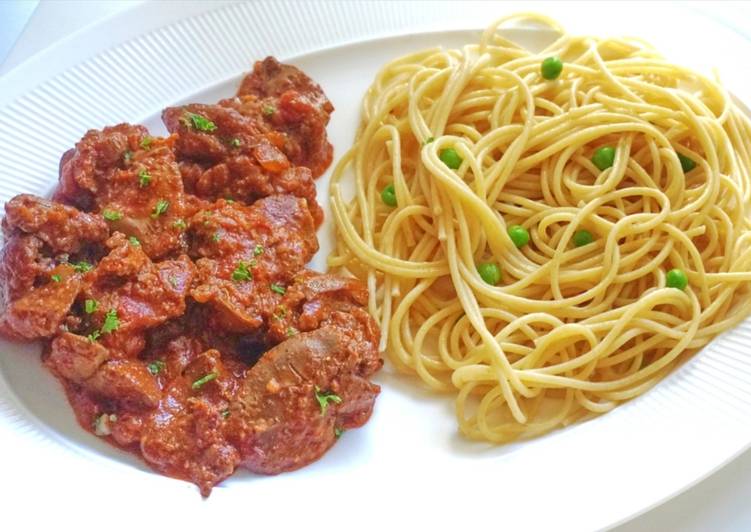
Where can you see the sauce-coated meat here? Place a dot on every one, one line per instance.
(167, 281)
(62, 228)
(289, 102)
(133, 181)
(243, 252)
(289, 407)
(235, 157)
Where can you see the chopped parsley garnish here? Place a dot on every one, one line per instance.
(146, 143)
(338, 431)
(253, 263)
(203, 380)
(324, 398)
(225, 413)
(235, 143)
(291, 331)
(268, 110)
(127, 156)
(156, 367)
(90, 306)
(229, 200)
(160, 208)
(278, 288)
(242, 273)
(258, 250)
(201, 123)
(134, 241)
(179, 224)
(82, 267)
(173, 281)
(144, 178)
(111, 215)
(429, 140)
(111, 322)
(216, 237)
(56, 278)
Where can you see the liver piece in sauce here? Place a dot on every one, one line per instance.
(235, 157)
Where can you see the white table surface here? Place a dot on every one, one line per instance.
(720, 503)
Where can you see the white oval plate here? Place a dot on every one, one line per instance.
(408, 466)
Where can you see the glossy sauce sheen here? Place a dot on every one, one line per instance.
(167, 282)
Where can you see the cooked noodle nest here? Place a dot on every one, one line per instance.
(569, 331)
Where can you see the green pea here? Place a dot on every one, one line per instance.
(582, 238)
(551, 67)
(519, 236)
(676, 278)
(490, 273)
(450, 158)
(686, 164)
(604, 157)
(388, 195)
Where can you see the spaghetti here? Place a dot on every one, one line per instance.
(630, 180)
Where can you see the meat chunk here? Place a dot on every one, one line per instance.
(92, 162)
(270, 79)
(133, 180)
(133, 294)
(35, 292)
(75, 358)
(245, 252)
(290, 103)
(89, 365)
(185, 437)
(289, 405)
(62, 228)
(315, 300)
(230, 156)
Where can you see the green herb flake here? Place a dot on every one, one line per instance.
(160, 208)
(201, 123)
(324, 398)
(338, 432)
(111, 322)
(278, 288)
(216, 237)
(144, 178)
(56, 278)
(127, 156)
(111, 215)
(146, 142)
(268, 110)
(94, 335)
(291, 331)
(242, 273)
(203, 380)
(225, 413)
(82, 267)
(180, 224)
(90, 306)
(134, 241)
(429, 140)
(258, 250)
(235, 143)
(156, 367)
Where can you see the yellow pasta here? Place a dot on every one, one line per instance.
(571, 330)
